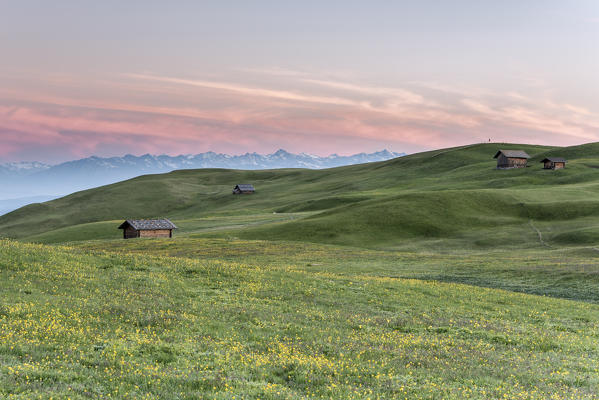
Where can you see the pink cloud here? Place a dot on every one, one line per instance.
(146, 113)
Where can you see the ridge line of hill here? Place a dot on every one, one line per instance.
(449, 199)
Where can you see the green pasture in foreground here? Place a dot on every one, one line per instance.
(75, 324)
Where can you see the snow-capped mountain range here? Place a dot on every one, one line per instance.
(28, 179)
(164, 163)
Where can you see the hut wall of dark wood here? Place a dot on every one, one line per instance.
(130, 233)
(510, 162)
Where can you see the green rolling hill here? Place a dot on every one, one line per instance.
(424, 277)
(449, 198)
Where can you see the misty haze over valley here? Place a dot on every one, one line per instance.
(33, 182)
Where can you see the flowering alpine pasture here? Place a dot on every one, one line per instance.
(77, 323)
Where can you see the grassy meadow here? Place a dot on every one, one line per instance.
(106, 324)
(430, 276)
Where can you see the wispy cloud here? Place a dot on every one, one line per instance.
(560, 119)
(247, 90)
(299, 111)
(397, 94)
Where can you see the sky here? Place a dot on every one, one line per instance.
(107, 78)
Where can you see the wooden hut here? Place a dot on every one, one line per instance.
(243, 189)
(554, 163)
(511, 159)
(160, 228)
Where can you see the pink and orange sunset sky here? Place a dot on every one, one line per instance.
(106, 78)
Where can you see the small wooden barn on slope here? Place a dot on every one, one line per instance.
(243, 189)
(553, 163)
(134, 228)
(511, 159)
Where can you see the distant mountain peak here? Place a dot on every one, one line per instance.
(34, 178)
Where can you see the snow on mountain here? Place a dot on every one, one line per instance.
(23, 167)
(34, 179)
(148, 163)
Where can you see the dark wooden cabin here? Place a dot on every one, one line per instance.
(243, 189)
(511, 159)
(554, 163)
(159, 228)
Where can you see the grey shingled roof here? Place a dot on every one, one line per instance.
(554, 159)
(512, 154)
(148, 224)
(245, 187)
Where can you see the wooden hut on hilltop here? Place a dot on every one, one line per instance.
(160, 228)
(243, 189)
(553, 163)
(511, 159)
